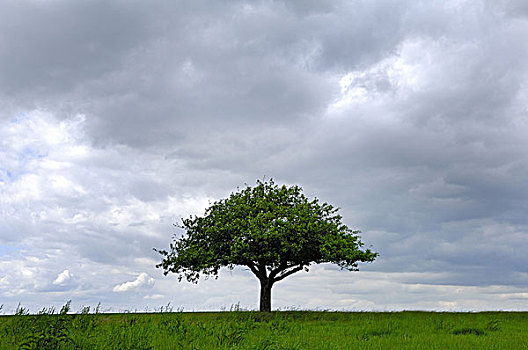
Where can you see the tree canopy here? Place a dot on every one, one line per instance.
(273, 230)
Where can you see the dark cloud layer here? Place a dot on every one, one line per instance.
(118, 118)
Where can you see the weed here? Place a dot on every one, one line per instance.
(493, 325)
(47, 330)
(266, 344)
(467, 331)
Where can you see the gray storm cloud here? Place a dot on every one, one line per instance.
(117, 119)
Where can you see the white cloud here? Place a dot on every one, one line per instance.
(143, 280)
(63, 277)
(154, 297)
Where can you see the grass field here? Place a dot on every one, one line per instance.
(253, 330)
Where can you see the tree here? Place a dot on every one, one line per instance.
(273, 230)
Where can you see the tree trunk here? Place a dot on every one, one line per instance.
(265, 295)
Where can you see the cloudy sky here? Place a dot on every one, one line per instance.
(117, 118)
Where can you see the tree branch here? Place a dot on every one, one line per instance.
(288, 273)
(257, 270)
(283, 266)
(262, 269)
(253, 268)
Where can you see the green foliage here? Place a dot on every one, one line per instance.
(493, 325)
(466, 331)
(45, 330)
(274, 230)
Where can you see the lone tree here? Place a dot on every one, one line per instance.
(274, 231)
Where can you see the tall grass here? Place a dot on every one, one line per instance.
(89, 329)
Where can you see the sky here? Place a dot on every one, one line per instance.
(119, 118)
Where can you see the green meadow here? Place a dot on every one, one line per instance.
(51, 329)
